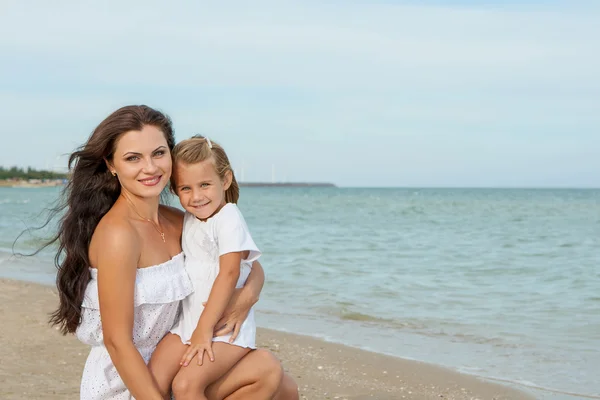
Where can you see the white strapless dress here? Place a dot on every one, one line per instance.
(158, 293)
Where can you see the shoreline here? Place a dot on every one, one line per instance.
(40, 363)
(61, 182)
(25, 184)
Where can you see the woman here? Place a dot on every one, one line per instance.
(120, 266)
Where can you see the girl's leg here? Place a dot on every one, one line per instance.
(191, 381)
(164, 364)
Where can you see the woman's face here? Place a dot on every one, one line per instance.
(142, 162)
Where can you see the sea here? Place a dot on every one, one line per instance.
(498, 283)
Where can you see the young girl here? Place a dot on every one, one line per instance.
(219, 252)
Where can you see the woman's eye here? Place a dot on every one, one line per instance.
(204, 185)
(160, 153)
(132, 158)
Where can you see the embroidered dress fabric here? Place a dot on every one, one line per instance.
(203, 243)
(158, 293)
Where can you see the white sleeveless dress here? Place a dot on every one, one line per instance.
(203, 243)
(158, 293)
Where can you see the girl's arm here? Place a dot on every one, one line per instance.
(116, 282)
(220, 294)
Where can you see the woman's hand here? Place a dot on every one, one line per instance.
(234, 315)
(200, 342)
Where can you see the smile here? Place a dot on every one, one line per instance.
(150, 181)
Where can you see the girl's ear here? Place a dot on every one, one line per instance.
(227, 179)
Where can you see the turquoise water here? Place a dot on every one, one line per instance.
(502, 283)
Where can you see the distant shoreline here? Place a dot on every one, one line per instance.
(60, 182)
(31, 183)
(285, 184)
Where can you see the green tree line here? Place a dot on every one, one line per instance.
(28, 173)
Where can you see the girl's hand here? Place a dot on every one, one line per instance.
(200, 343)
(234, 315)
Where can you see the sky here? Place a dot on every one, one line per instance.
(358, 93)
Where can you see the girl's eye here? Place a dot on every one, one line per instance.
(183, 189)
(204, 185)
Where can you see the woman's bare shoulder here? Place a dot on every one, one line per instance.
(116, 233)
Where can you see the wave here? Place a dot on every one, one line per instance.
(13, 201)
(479, 370)
(356, 316)
(431, 328)
(532, 385)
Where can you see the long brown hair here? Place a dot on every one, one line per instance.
(198, 149)
(88, 195)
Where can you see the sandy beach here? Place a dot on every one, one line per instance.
(39, 363)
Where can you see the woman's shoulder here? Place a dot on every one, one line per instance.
(116, 233)
(114, 224)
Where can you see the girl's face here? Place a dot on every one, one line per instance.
(200, 189)
(142, 162)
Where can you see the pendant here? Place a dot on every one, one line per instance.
(162, 235)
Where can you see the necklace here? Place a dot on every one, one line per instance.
(154, 225)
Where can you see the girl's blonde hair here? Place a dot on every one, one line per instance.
(198, 149)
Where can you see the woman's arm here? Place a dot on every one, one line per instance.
(116, 284)
(241, 301)
(250, 293)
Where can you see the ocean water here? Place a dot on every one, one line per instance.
(500, 283)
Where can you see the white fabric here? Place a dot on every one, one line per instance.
(158, 294)
(203, 243)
